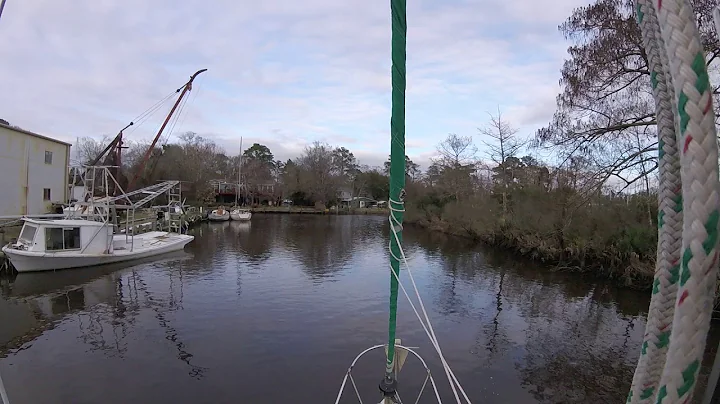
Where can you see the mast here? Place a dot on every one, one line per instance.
(237, 194)
(183, 90)
(2, 6)
(397, 177)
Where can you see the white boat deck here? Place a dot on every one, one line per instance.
(145, 241)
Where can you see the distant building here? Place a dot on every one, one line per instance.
(358, 202)
(33, 172)
(344, 193)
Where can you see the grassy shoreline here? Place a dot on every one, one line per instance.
(627, 270)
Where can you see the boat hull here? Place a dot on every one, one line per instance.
(241, 217)
(215, 217)
(145, 245)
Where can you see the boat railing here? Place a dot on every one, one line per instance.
(106, 207)
(400, 359)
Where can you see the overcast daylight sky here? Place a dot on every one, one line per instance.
(282, 73)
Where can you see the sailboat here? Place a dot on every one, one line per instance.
(219, 215)
(238, 213)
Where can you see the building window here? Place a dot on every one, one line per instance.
(46, 194)
(59, 238)
(48, 157)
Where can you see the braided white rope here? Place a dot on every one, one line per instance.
(696, 138)
(395, 228)
(662, 304)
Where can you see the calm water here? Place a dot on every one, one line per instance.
(274, 311)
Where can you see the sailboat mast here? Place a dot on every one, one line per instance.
(397, 176)
(2, 6)
(237, 194)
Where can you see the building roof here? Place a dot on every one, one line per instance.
(27, 132)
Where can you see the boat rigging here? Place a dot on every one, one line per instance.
(112, 154)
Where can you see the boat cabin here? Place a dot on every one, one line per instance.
(55, 236)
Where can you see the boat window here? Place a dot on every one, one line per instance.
(72, 238)
(59, 238)
(27, 235)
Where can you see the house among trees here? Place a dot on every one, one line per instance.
(358, 202)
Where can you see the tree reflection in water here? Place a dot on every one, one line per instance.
(570, 338)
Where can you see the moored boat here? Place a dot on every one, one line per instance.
(45, 245)
(240, 214)
(219, 215)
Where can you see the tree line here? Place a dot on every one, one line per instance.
(321, 175)
(596, 206)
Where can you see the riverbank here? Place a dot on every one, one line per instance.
(627, 269)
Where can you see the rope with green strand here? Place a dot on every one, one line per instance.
(689, 194)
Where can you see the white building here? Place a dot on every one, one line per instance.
(33, 172)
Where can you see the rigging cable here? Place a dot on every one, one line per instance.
(143, 117)
(190, 99)
(185, 101)
(429, 331)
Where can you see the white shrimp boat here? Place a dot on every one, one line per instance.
(89, 233)
(242, 215)
(46, 245)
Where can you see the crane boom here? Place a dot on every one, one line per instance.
(183, 90)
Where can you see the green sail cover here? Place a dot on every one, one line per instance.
(397, 158)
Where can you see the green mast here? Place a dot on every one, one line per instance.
(397, 162)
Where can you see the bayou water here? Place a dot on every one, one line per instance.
(274, 311)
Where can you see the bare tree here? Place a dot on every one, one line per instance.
(503, 146)
(456, 151)
(89, 149)
(605, 101)
(455, 165)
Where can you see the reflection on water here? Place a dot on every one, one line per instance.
(249, 308)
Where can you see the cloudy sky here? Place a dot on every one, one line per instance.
(282, 73)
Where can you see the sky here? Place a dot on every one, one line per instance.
(281, 73)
